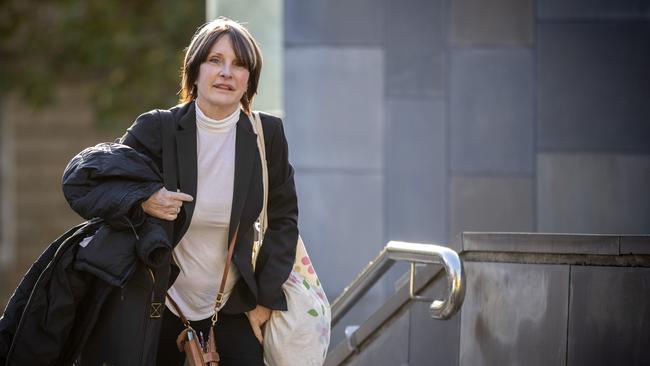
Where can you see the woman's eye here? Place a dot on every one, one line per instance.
(215, 60)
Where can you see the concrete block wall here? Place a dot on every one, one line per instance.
(419, 119)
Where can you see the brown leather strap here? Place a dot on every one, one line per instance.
(224, 277)
(226, 268)
(186, 323)
(210, 357)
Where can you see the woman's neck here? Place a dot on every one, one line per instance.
(216, 112)
(206, 123)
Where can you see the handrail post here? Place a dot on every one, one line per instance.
(414, 253)
(412, 294)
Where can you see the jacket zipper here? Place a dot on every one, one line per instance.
(153, 278)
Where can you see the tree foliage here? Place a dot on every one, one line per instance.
(128, 52)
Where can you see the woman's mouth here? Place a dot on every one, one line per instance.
(224, 87)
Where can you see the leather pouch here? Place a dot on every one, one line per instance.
(188, 342)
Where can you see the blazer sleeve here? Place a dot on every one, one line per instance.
(278, 252)
(144, 136)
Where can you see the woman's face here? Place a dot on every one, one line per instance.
(222, 80)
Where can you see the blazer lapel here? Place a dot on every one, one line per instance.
(245, 152)
(187, 161)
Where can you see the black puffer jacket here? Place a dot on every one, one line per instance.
(36, 323)
(95, 272)
(108, 181)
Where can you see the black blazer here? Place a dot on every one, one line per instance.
(276, 258)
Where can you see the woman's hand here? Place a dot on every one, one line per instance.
(165, 204)
(257, 317)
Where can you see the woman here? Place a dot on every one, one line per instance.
(220, 187)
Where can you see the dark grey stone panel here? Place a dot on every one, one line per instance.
(333, 207)
(414, 47)
(609, 316)
(633, 244)
(433, 341)
(491, 113)
(341, 222)
(594, 86)
(491, 204)
(415, 171)
(389, 348)
(542, 243)
(593, 193)
(514, 314)
(496, 22)
(334, 107)
(333, 22)
(590, 9)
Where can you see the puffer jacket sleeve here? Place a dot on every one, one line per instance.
(276, 257)
(108, 181)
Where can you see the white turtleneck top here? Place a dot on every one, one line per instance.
(202, 252)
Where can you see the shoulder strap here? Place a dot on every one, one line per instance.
(261, 146)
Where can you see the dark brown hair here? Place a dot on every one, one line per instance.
(246, 49)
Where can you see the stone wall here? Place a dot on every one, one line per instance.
(419, 119)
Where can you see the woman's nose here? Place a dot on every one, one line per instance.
(225, 71)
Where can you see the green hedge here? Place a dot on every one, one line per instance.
(129, 52)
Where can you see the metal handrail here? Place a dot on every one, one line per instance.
(414, 253)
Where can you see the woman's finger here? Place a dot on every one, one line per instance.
(258, 332)
(179, 196)
(167, 216)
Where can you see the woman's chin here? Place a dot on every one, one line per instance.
(221, 103)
